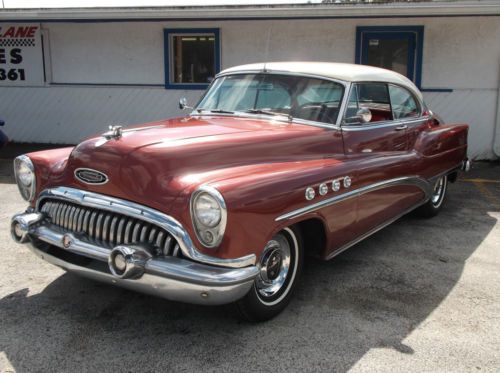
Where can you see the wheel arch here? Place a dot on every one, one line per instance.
(313, 234)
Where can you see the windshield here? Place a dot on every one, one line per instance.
(291, 96)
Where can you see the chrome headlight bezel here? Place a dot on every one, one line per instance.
(203, 231)
(27, 191)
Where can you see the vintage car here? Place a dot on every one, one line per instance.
(276, 161)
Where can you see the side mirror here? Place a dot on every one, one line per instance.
(363, 115)
(183, 104)
(2, 122)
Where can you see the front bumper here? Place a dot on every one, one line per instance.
(167, 277)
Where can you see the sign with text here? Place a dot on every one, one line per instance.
(21, 56)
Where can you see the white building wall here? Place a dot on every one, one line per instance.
(462, 54)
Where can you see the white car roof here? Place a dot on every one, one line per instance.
(341, 71)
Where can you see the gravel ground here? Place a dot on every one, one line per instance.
(420, 295)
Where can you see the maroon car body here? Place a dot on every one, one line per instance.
(263, 167)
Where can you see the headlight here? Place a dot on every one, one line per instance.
(25, 177)
(207, 210)
(209, 215)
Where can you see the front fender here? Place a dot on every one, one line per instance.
(49, 164)
(256, 196)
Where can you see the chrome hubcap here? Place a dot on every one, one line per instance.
(438, 192)
(274, 267)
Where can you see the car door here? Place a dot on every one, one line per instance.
(378, 149)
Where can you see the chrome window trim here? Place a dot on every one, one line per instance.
(171, 225)
(282, 119)
(335, 125)
(417, 181)
(343, 110)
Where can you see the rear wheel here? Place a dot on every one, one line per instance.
(280, 268)
(434, 204)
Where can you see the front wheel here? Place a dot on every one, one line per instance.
(280, 268)
(434, 204)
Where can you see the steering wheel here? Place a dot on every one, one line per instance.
(322, 115)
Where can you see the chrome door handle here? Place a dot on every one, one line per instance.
(401, 128)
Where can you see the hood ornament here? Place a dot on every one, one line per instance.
(115, 132)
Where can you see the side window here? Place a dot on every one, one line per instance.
(317, 100)
(403, 103)
(371, 96)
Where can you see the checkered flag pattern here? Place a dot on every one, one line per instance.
(17, 42)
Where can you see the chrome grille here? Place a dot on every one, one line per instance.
(109, 229)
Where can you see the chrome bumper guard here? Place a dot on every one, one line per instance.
(466, 165)
(133, 267)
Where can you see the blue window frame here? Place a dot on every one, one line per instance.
(192, 57)
(397, 48)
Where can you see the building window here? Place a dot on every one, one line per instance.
(192, 57)
(397, 48)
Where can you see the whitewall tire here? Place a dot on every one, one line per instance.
(280, 267)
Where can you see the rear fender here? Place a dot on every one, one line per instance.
(441, 139)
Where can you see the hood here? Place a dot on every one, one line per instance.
(146, 162)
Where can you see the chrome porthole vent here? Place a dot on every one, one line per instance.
(336, 185)
(323, 189)
(310, 193)
(347, 182)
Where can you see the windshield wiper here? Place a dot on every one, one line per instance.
(268, 112)
(218, 111)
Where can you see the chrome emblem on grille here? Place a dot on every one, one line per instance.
(89, 176)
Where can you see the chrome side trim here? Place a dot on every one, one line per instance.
(364, 127)
(147, 214)
(373, 231)
(406, 180)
